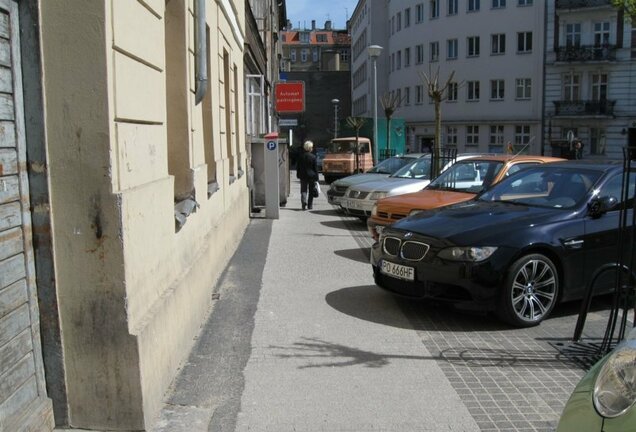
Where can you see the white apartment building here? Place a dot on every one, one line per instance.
(494, 47)
(590, 73)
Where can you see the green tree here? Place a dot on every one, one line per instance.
(629, 6)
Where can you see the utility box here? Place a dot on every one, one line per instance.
(269, 176)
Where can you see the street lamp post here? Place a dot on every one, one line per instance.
(374, 52)
(335, 103)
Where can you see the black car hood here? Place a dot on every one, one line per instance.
(481, 222)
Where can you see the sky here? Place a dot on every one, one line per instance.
(303, 11)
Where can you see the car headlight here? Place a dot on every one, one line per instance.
(615, 386)
(470, 253)
(415, 211)
(374, 210)
(377, 195)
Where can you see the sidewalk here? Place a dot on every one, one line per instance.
(300, 339)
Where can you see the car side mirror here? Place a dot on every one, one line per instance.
(599, 206)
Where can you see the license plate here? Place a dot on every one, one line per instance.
(353, 204)
(397, 271)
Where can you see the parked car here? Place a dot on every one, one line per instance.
(519, 248)
(604, 399)
(360, 199)
(461, 182)
(385, 168)
(345, 158)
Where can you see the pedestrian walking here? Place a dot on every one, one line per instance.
(307, 172)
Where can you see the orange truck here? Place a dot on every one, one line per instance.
(461, 182)
(343, 159)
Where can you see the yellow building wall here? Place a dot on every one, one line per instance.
(133, 296)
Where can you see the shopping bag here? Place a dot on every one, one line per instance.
(315, 191)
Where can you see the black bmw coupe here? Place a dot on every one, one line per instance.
(529, 242)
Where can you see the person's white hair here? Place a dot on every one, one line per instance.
(308, 146)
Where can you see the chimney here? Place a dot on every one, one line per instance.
(328, 25)
(313, 24)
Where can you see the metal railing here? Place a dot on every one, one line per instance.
(586, 53)
(578, 4)
(584, 108)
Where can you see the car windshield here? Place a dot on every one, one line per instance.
(471, 176)
(545, 186)
(347, 147)
(419, 169)
(390, 165)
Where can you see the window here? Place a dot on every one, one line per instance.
(524, 2)
(524, 88)
(473, 90)
(344, 56)
(419, 13)
(292, 56)
(407, 57)
(398, 21)
(498, 4)
(407, 17)
(419, 94)
(304, 37)
(434, 8)
(597, 141)
(392, 24)
(452, 7)
(573, 35)
(303, 55)
(498, 43)
(407, 95)
(497, 89)
(451, 49)
(392, 62)
(398, 97)
(419, 54)
(451, 91)
(601, 33)
(434, 51)
(321, 37)
(451, 136)
(398, 60)
(524, 42)
(571, 87)
(472, 135)
(496, 139)
(599, 87)
(473, 5)
(522, 134)
(314, 55)
(473, 46)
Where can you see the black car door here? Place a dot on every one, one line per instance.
(601, 237)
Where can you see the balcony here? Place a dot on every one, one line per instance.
(580, 4)
(584, 108)
(588, 53)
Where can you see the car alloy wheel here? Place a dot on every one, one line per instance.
(531, 291)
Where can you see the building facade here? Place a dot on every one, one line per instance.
(590, 70)
(494, 50)
(124, 163)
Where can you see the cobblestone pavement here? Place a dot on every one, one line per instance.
(509, 379)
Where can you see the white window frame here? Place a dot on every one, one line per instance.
(472, 135)
(472, 89)
(497, 89)
(523, 88)
(473, 44)
(524, 42)
(451, 49)
(522, 134)
(498, 44)
(434, 48)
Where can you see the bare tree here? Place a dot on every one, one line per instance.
(356, 123)
(390, 103)
(438, 94)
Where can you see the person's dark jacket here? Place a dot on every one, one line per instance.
(306, 168)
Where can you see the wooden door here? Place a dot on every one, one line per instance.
(23, 401)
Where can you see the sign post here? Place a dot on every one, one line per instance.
(272, 191)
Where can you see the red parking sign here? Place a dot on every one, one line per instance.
(290, 97)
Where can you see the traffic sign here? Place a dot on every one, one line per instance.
(271, 145)
(288, 122)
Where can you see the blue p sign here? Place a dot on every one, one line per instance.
(271, 145)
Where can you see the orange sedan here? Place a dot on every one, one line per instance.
(461, 182)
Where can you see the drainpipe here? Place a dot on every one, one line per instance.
(201, 53)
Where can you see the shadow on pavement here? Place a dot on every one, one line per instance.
(332, 212)
(344, 224)
(357, 254)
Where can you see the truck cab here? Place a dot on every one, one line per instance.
(343, 158)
